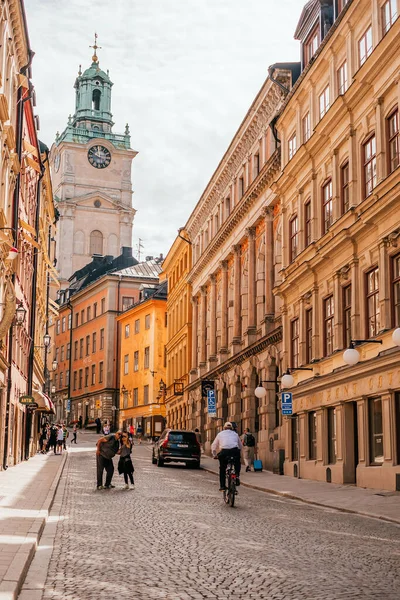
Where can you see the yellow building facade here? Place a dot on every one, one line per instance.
(142, 368)
(340, 275)
(176, 268)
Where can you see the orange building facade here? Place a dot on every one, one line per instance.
(143, 362)
(176, 268)
(86, 380)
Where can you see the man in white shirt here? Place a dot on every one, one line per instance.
(226, 444)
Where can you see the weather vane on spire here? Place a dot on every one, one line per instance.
(95, 48)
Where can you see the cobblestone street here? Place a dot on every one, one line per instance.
(173, 538)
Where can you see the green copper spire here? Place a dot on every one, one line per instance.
(92, 117)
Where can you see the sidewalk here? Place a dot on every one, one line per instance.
(26, 495)
(380, 504)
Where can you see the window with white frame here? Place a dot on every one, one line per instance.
(306, 127)
(126, 364)
(292, 147)
(342, 78)
(365, 46)
(324, 102)
(389, 15)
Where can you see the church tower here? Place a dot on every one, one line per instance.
(91, 172)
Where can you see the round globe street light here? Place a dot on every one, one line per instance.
(260, 392)
(287, 380)
(396, 336)
(351, 356)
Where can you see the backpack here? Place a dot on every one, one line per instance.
(249, 440)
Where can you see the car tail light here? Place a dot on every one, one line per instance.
(165, 442)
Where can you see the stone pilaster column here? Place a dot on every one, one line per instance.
(195, 317)
(355, 300)
(203, 326)
(251, 284)
(384, 286)
(315, 323)
(337, 312)
(213, 318)
(302, 327)
(380, 141)
(237, 302)
(337, 208)
(269, 269)
(224, 307)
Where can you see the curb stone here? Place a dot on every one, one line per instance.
(14, 578)
(300, 499)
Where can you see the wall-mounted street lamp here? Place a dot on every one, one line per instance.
(54, 365)
(20, 314)
(396, 336)
(287, 381)
(351, 356)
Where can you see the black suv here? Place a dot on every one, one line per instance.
(176, 445)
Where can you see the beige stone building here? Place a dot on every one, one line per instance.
(235, 335)
(340, 274)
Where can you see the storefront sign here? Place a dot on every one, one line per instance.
(27, 400)
(206, 385)
(178, 389)
(98, 403)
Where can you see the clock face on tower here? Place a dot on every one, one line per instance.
(99, 157)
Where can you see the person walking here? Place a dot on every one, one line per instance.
(125, 465)
(139, 432)
(106, 428)
(106, 448)
(66, 435)
(60, 440)
(131, 432)
(249, 442)
(52, 439)
(98, 425)
(74, 433)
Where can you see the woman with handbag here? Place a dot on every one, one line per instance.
(125, 465)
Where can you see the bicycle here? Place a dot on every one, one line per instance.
(230, 482)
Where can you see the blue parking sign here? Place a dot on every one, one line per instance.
(287, 403)
(211, 404)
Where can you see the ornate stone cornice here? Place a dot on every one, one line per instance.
(263, 181)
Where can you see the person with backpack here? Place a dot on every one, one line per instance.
(249, 442)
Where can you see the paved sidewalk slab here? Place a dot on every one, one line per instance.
(379, 504)
(26, 495)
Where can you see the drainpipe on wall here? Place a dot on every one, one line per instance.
(117, 377)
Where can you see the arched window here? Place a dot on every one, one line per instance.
(96, 99)
(79, 242)
(96, 243)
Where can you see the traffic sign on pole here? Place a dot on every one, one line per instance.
(287, 403)
(211, 404)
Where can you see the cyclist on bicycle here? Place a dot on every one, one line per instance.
(226, 444)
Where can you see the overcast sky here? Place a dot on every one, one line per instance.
(184, 72)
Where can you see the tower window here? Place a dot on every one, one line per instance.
(96, 99)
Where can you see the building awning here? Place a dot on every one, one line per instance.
(44, 402)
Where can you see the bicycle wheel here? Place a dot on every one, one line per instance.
(232, 492)
(227, 496)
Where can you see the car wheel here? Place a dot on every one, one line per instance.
(196, 465)
(160, 462)
(153, 459)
